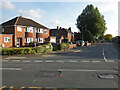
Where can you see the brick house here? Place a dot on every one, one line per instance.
(61, 33)
(24, 31)
(6, 40)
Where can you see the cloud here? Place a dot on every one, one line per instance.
(7, 5)
(109, 7)
(32, 13)
(56, 21)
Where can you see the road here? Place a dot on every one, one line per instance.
(76, 68)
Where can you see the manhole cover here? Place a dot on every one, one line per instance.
(47, 74)
(106, 76)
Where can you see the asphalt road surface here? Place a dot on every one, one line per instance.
(94, 66)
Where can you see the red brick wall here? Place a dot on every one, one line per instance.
(18, 34)
(45, 35)
(39, 35)
(69, 36)
(72, 46)
(6, 44)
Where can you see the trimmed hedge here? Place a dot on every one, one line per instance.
(27, 50)
(61, 46)
(64, 46)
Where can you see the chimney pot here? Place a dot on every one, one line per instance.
(57, 27)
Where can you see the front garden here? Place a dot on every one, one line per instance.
(45, 48)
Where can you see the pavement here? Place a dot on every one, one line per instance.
(94, 66)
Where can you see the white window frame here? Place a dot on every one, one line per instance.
(40, 40)
(29, 29)
(19, 29)
(2, 29)
(8, 39)
(40, 30)
(52, 40)
(46, 30)
(28, 40)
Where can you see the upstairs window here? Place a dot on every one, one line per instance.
(29, 29)
(2, 29)
(6, 39)
(39, 30)
(46, 31)
(19, 29)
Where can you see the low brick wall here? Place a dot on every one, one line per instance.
(88, 44)
(72, 46)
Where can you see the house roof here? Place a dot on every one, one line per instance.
(24, 22)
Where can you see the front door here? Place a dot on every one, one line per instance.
(18, 42)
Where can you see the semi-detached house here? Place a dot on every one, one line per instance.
(20, 31)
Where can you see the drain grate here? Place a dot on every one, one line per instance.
(106, 76)
(48, 74)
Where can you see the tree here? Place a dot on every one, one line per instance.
(87, 36)
(65, 40)
(91, 20)
(108, 37)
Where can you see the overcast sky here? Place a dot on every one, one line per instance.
(64, 14)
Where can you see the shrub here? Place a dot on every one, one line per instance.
(74, 42)
(27, 50)
(55, 48)
(0, 50)
(44, 48)
(64, 46)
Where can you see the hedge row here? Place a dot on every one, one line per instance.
(27, 50)
(61, 46)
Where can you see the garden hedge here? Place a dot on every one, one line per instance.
(27, 50)
(61, 46)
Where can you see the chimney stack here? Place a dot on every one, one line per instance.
(69, 28)
(57, 27)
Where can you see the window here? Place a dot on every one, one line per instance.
(69, 34)
(46, 31)
(53, 41)
(29, 29)
(6, 39)
(39, 30)
(40, 40)
(28, 40)
(2, 29)
(19, 29)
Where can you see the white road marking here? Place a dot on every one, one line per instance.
(85, 61)
(26, 61)
(85, 70)
(96, 61)
(60, 61)
(19, 69)
(105, 58)
(104, 55)
(49, 61)
(15, 60)
(73, 61)
(110, 61)
(38, 61)
(4, 60)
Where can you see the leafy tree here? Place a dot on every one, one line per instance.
(91, 20)
(65, 40)
(87, 35)
(108, 37)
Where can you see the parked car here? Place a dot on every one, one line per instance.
(80, 43)
(102, 41)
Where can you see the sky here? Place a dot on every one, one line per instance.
(62, 14)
